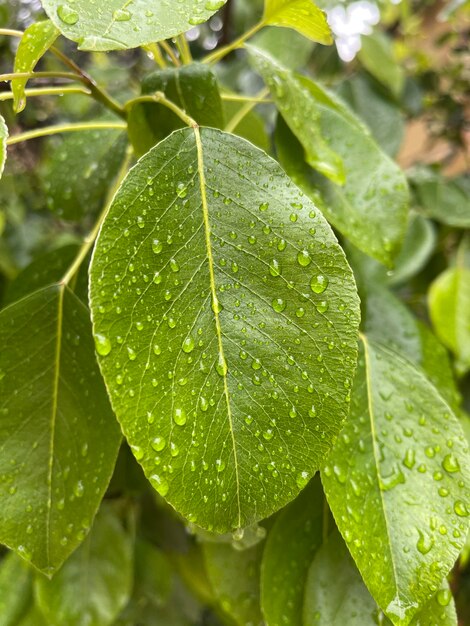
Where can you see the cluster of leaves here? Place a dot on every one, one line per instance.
(291, 397)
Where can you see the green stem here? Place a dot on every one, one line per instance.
(244, 110)
(155, 51)
(236, 98)
(63, 128)
(98, 94)
(169, 50)
(184, 50)
(219, 54)
(47, 91)
(9, 32)
(160, 98)
(93, 234)
(34, 75)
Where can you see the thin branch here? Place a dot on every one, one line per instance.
(62, 128)
(47, 91)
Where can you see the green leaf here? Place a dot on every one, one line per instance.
(371, 209)
(234, 577)
(286, 45)
(301, 113)
(418, 247)
(118, 25)
(94, 585)
(449, 307)
(251, 127)
(390, 471)
(35, 42)
(50, 387)
(80, 171)
(33, 618)
(3, 144)
(15, 589)
(376, 55)
(46, 269)
(301, 15)
(226, 318)
(382, 116)
(335, 594)
(292, 542)
(194, 88)
(446, 201)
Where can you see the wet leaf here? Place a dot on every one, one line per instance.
(35, 42)
(15, 589)
(95, 583)
(3, 144)
(193, 87)
(50, 387)
(118, 25)
(439, 610)
(226, 318)
(234, 577)
(291, 545)
(449, 307)
(301, 15)
(418, 247)
(81, 169)
(401, 466)
(301, 112)
(371, 209)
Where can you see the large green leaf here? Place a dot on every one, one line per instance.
(117, 25)
(401, 467)
(376, 55)
(193, 88)
(80, 171)
(58, 436)
(95, 583)
(449, 307)
(15, 589)
(335, 594)
(286, 45)
(292, 542)
(234, 577)
(36, 40)
(301, 112)
(226, 320)
(371, 208)
(3, 144)
(301, 15)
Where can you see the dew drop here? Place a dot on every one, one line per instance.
(157, 246)
(302, 480)
(158, 444)
(159, 483)
(450, 464)
(278, 305)
(188, 344)
(102, 344)
(303, 258)
(319, 283)
(67, 15)
(179, 416)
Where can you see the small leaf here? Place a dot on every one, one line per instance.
(15, 589)
(335, 594)
(376, 55)
(229, 316)
(449, 307)
(234, 577)
(371, 209)
(390, 471)
(118, 25)
(94, 585)
(80, 171)
(50, 387)
(35, 42)
(193, 88)
(3, 144)
(301, 15)
(418, 246)
(292, 542)
(251, 127)
(301, 113)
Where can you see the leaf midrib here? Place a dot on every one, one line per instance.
(210, 258)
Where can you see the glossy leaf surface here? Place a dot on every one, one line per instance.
(226, 316)
(118, 25)
(301, 113)
(81, 169)
(50, 387)
(390, 470)
(301, 15)
(297, 531)
(95, 583)
(36, 40)
(193, 87)
(371, 208)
